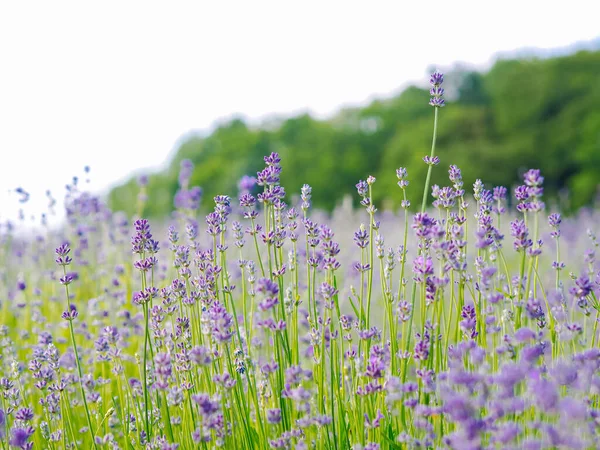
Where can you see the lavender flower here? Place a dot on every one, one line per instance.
(436, 90)
(519, 231)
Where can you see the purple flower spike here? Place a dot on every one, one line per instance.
(62, 253)
(583, 287)
(273, 159)
(519, 231)
(436, 91)
(554, 220)
(361, 237)
(533, 178)
(24, 414)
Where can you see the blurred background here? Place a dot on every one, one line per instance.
(339, 89)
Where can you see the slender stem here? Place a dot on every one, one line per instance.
(428, 179)
(423, 205)
(262, 269)
(371, 262)
(595, 329)
(79, 371)
(401, 291)
(144, 374)
(557, 262)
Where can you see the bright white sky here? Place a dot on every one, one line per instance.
(114, 85)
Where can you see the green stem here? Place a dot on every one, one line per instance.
(80, 373)
(144, 374)
(428, 179)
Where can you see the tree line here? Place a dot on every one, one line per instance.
(521, 114)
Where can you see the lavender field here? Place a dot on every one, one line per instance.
(467, 322)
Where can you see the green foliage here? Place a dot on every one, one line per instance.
(540, 113)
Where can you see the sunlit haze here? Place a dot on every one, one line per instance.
(114, 85)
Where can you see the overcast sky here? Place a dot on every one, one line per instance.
(115, 84)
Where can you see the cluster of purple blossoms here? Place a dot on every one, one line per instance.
(361, 237)
(402, 176)
(445, 197)
(436, 91)
(487, 233)
(554, 220)
(520, 232)
(269, 176)
(581, 291)
(422, 347)
(62, 255)
(142, 242)
(423, 225)
(431, 160)
(468, 324)
(529, 195)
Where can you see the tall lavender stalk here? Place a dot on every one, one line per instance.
(63, 259)
(437, 101)
(143, 243)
